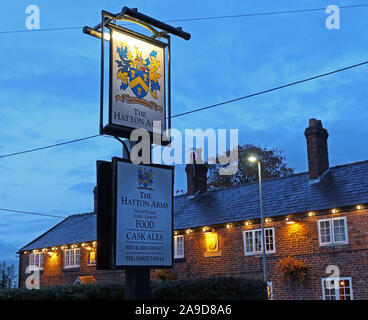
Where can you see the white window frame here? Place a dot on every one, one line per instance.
(177, 254)
(253, 232)
(32, 260)
(332, 241)
(74, 255)
(337, 293)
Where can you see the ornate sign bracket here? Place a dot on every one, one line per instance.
(159, 30)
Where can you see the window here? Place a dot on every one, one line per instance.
(71, 258)
(253, 243)
(178, 247)
(36, 260)
(92, 258)
(333, 231)
(337, 289)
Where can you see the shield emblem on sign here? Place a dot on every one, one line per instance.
(212, 242)
(139, 82)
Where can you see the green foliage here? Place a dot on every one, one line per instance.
(294, 268)
(164, 274)
(221, 288)
(101, 291)
(272, 166)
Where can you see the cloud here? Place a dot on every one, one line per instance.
(8, 253)
(81, 173)
(83, 187)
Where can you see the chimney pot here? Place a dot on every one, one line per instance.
(196, 173)
(317, 149)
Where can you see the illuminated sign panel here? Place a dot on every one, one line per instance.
(144, 211)
(211, 242)
(137, 81)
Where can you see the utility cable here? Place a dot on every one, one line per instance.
(207, 107)
(31, 213)
(202, 18)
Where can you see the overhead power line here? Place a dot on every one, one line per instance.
(264, 13)
(201, 18)
(270, 90)
(179, 115)
(49, 146)
(32, 213)
(207, 107)
(40, 30)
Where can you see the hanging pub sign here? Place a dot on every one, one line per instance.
(137, 81)
(140, 74)
(143, 213)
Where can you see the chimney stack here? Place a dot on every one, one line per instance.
(196, 174)
(317, 149)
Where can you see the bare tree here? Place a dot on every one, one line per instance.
(7, 275)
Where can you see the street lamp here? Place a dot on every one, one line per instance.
(255, 159)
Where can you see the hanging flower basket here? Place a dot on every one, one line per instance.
(294, 268)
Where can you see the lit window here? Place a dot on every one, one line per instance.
(36, 260)
(333, 231)
(178, 247)
(253, 243)
(71, 258)
(92, 258)
(337, 289)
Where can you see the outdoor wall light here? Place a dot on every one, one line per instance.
(208, 230)
(292, 220)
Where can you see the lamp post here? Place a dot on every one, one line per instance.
(255, 159)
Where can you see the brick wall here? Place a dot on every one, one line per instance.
(54, 272)
(299, 240)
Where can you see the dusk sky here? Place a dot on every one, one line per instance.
(50, 80)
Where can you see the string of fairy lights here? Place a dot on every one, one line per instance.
(89, 245)
(289, 219)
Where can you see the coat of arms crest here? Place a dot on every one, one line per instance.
(145, 179)
(138, 73)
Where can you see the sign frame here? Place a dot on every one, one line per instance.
(125, 131)
(115, 161)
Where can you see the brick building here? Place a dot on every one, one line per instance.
(318, 218)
